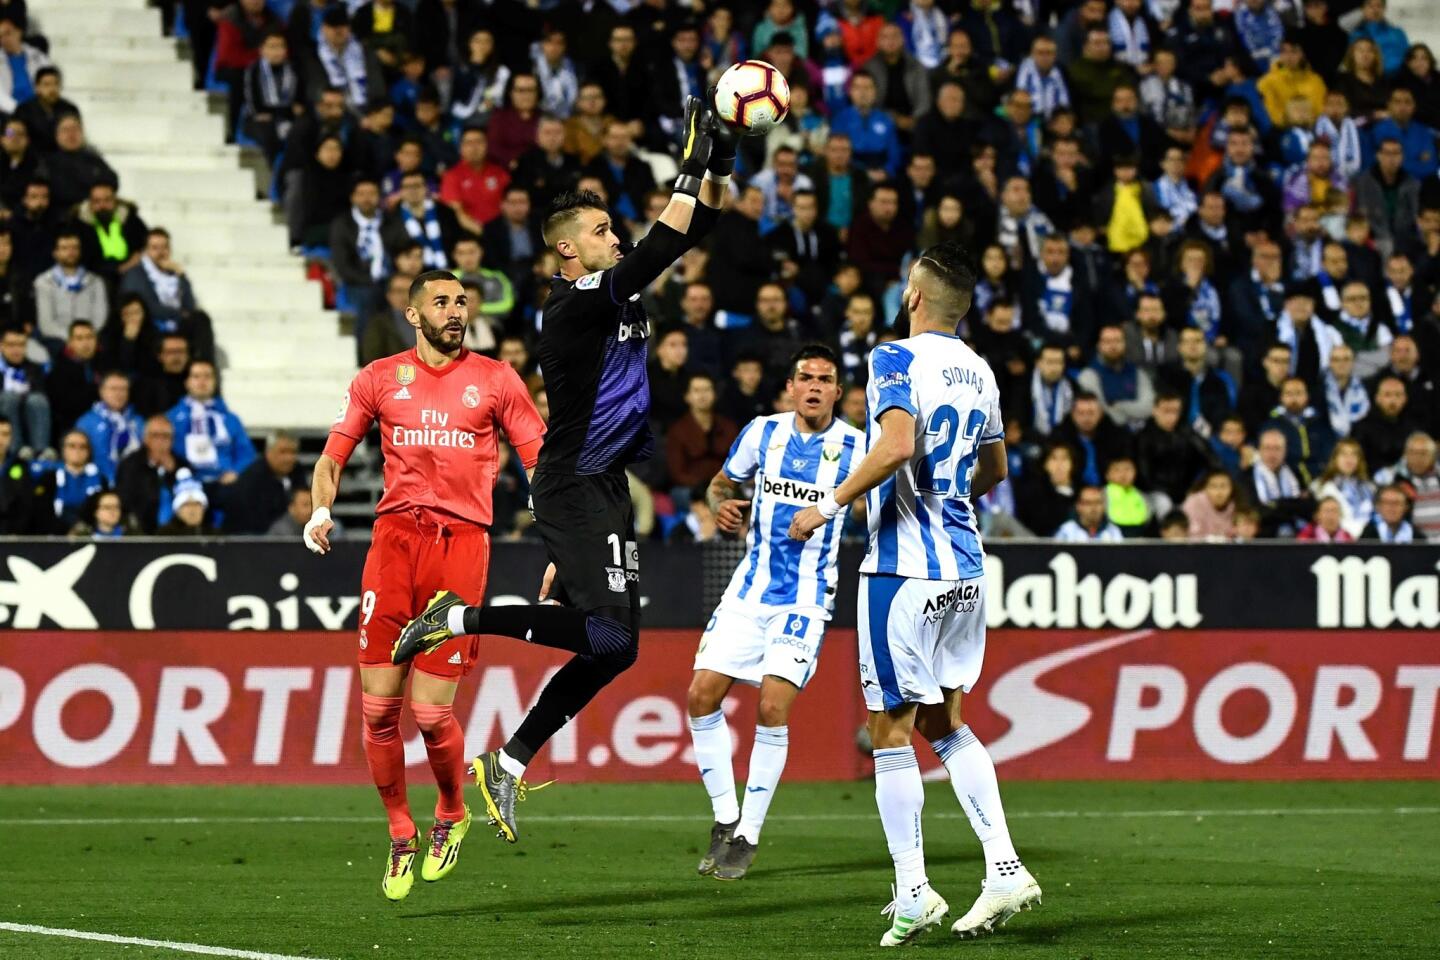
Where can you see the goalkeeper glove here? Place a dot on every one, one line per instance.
(697, 140)
(723, 139)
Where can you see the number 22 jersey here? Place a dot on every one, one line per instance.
(921, 522)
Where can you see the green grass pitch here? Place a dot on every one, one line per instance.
(1129, 871)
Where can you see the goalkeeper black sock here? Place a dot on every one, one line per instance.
(563, 628)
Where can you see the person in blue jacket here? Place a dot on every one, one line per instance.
(207, 434)
(111, 423)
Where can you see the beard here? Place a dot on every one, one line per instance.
(441, 337)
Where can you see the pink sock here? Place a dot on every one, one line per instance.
(445, 745)
(385, 753)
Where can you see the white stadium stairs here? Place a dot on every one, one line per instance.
(285, 361)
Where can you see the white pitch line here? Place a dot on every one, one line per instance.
(198, 948)
(687, 818)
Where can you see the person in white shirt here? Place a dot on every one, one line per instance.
(937, 443)
(1090, 524)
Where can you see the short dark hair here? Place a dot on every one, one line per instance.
(565, 208)
(700, 375)
(954, 269)
(812, 351)
(1084, 396)
(44, 72)
(65, 234)
(417, 286)
(79, 322)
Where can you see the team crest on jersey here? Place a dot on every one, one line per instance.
(830, 452)
(615, 579)
(405, 374)
(588, 282)
(471, 396)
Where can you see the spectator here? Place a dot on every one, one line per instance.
(417, 217)
(1170, 102)
(1346, 399)
(779, 182)
(73, 378)
(1274, 488)
(1389, 39)
(670, 378)
(1021, 227)
(262, 492)
(697, 443)
(112, 235)
(162, 285)
(1210, 506)
(291, 524)
(21, 164)
(1360, 327)
(1322, 41)
(1423, 404)
(512, 127)
(902, 87)
(357, 251)
(781, 17)
(1325, 525)
(623, 75)
(1208, 394)
(839, 183)
(1308, 436)
(1059, 303)
(1388, 196)
(873, 135)
(1347, 481)
(32, 232)
(66, 485)
(111, 425)
(1125, 506)
(271, 90)
(323, 186)
(22, 397)
(211, 438)
(772, 336)
(1419, 76)
(1388, 523)
(101, 518)
(1175, 526)
(703, 346)
(1064, 186)
(1310, 339)
(1047, 496)
(67, 292)
(1051, 393)
(20, 64)
(549, 168)
(41, 112)
(857, 338)
(190, 506)
(1125, 391)
(240, 33)
(1418, 475)
(808, 248)
(1094, 77)
(626, 177)
(161, 389)
(1008, 351)
(340, 61)
(961, 66)
(480, 82)
(1383, 432)
(1090, 524)
(389, 332)
(1362, 80)
(497, 294)
(1169, 454)
(1416, 140)
(1260, 395)
(16, 489)
(880, 238)
(739, 262)
(74, 167)
(744, 397)
(146, 477)
(1095, 438)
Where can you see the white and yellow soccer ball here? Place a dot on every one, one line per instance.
(752, 97)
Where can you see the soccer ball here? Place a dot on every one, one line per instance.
(752, 97)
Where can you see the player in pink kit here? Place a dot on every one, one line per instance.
(442, 411)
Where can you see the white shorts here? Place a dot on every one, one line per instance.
(918, 637)
(749, 641)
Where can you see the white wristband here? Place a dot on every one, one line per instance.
(723, 181)
(318, 516)
(828, 507)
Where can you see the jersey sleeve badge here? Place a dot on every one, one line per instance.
(590, 281)
(344, 408)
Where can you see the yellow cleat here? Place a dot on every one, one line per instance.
(428, 630)
(400, 869)
(443, 851)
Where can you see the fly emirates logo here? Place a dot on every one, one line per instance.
(434, 431)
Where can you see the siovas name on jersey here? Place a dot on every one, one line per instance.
(434, 431)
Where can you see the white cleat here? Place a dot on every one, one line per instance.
(905, 930)
(992, 909)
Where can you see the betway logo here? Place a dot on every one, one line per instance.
(1062, 598)
(797, 492)
(1313, 714)
(1359, 592)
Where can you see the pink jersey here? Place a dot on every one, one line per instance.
(440, 430)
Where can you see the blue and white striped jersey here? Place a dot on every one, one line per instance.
(921, 523)
(792, 471)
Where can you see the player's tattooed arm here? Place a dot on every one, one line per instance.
(723, 499)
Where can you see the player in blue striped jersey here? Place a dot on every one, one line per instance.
(936, 444)
(769, 626)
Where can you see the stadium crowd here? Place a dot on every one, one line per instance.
(1207, 234)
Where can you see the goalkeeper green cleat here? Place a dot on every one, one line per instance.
(443, 851)
(427, 631)
(399, 869)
